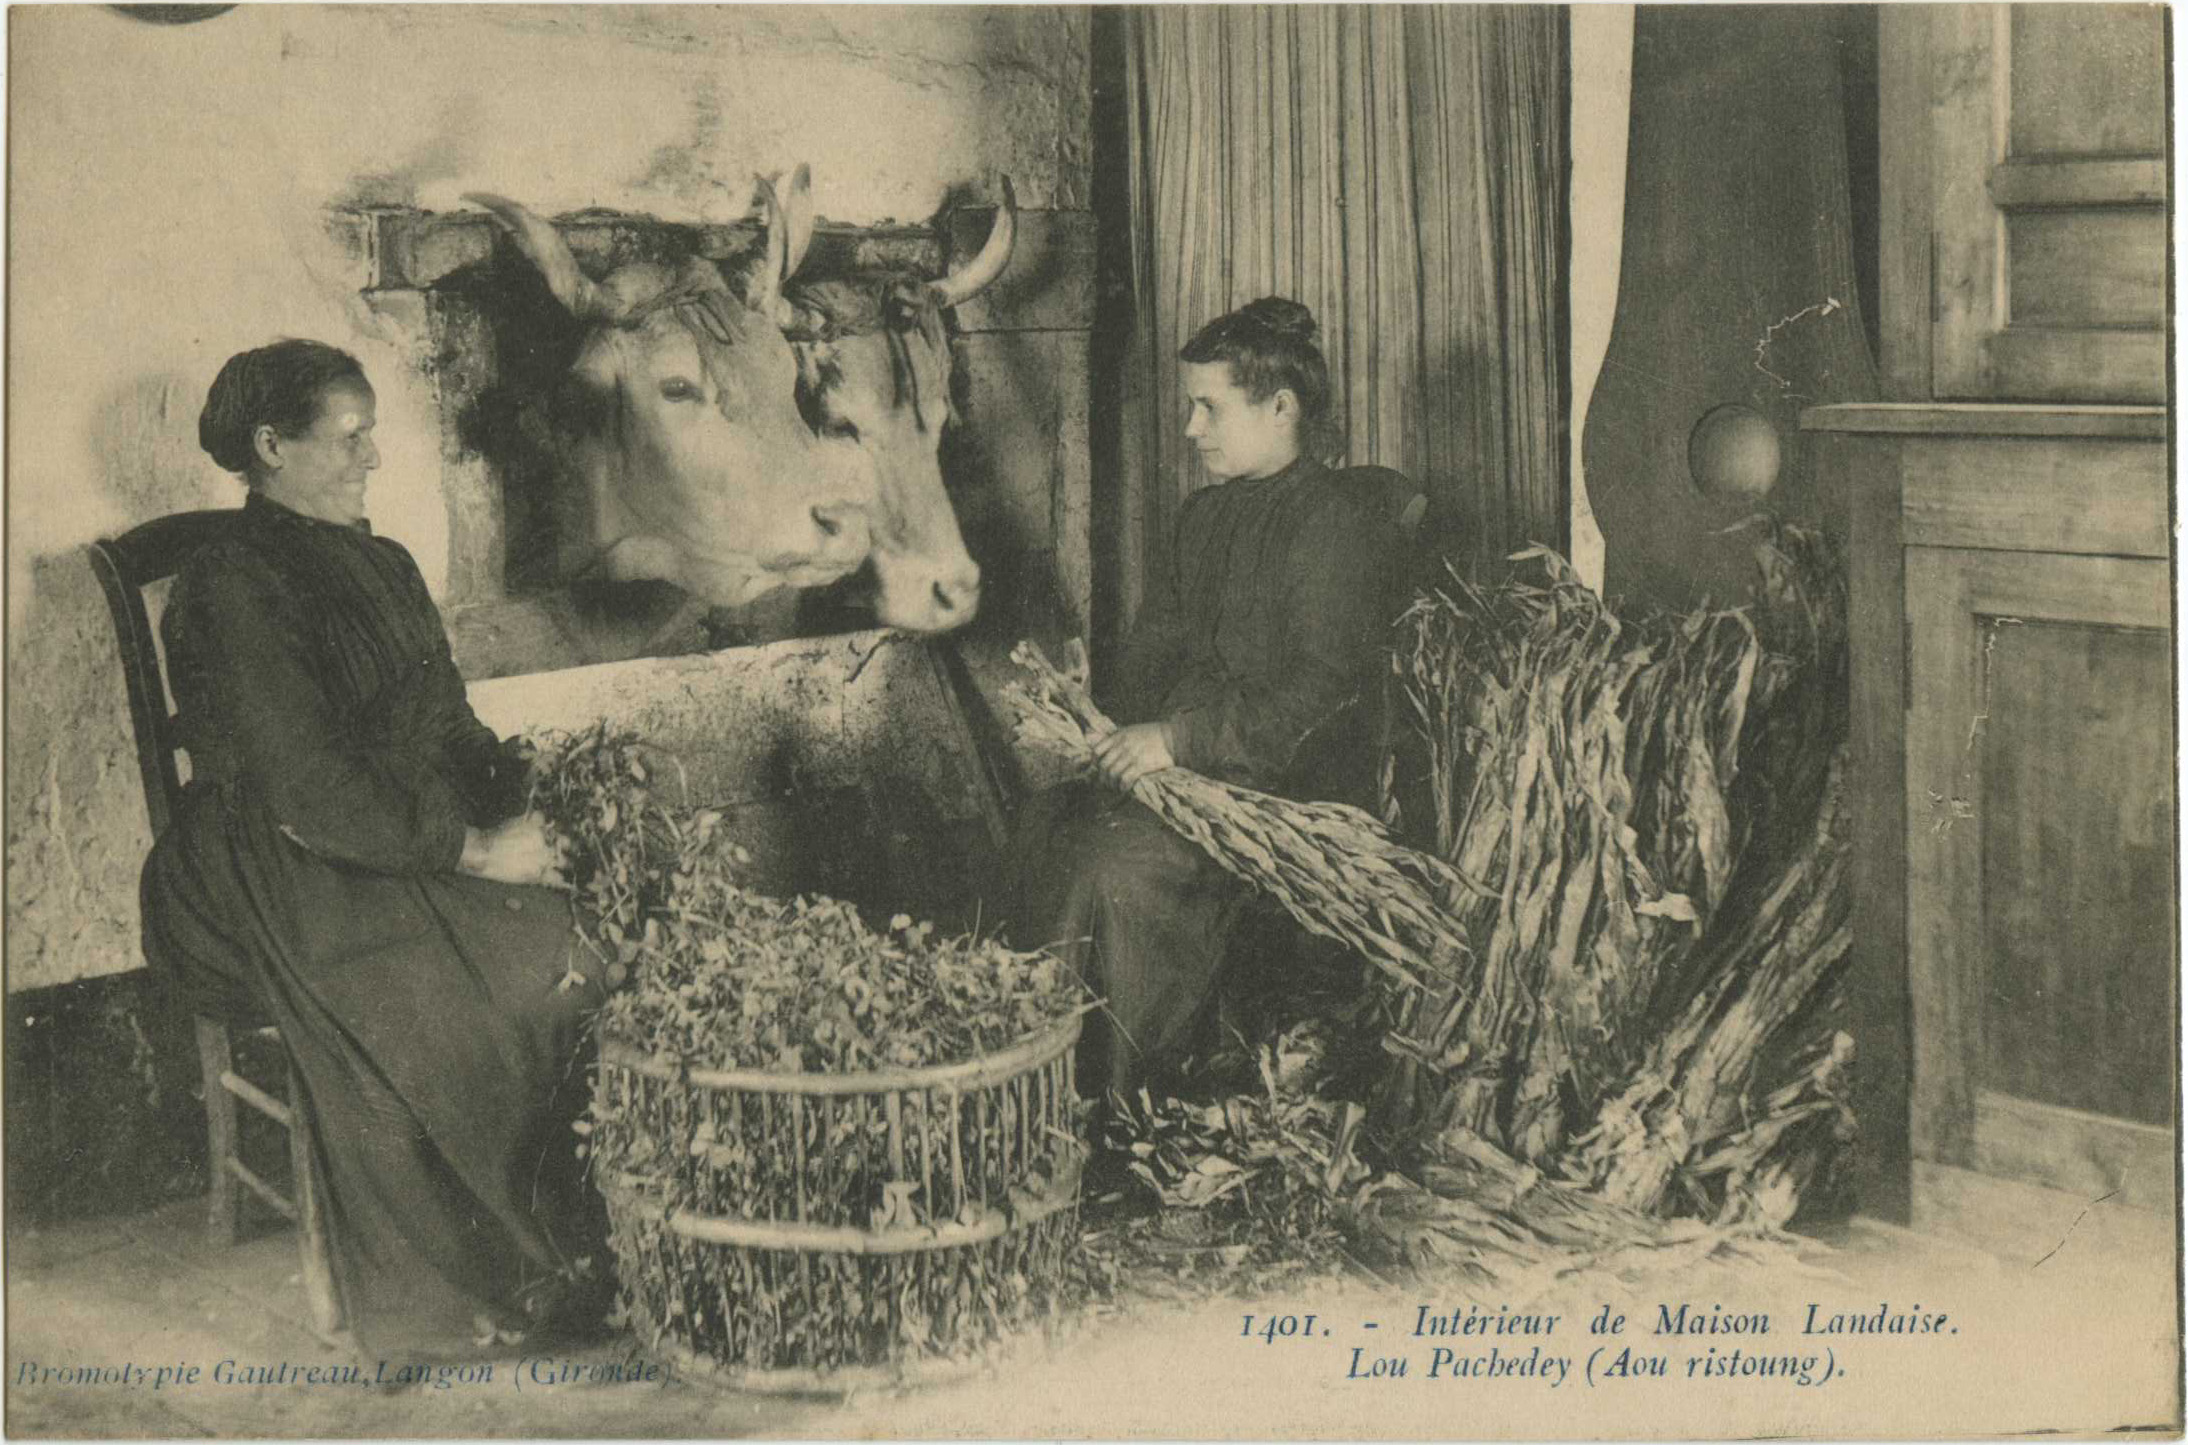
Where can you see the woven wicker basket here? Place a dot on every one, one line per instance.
(826, 1233)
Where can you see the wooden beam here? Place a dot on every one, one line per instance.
(2028, 184)
(1863, 474)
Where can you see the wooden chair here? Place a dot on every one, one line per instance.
(126, 566)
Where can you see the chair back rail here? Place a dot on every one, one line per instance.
(125, 566)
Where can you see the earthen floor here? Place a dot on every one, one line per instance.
(2081, 1335)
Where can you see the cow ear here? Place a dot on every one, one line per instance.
(544, 247)
(812, 357)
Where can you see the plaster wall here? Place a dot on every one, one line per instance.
(174, 194)
(1595, 198)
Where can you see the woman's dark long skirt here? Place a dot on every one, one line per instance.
(1142, 914)
(443, 1053)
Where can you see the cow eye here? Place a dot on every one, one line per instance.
(676, 388)
(847, 430)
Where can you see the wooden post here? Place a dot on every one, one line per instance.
(1862, 475)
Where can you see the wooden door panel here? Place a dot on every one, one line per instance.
(2082, 494)
(2039, 795)
(2065, 363)
(2087, 80)
(2024, 186)
(2096, 267)
(2077, 866)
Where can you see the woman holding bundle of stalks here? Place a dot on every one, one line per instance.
(352, 859)
(1251, 663)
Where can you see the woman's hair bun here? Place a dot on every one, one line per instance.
(277, 386)
(1282, 316)
(1269, 346)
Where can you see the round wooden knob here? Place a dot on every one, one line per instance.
(1733, 451)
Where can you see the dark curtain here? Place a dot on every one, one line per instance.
(1402, 171)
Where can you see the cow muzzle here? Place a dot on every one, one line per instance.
(926, 598)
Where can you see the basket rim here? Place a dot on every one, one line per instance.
(1058, 1194)
(987, 1068)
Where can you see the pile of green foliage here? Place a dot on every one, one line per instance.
(897, 1220)
(717, 976)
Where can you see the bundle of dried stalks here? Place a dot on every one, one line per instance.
(1658, 795)
(1582, 763)
(1332, 867)
(1688, 1091)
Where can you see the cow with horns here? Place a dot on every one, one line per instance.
(708, 454)
(874, 368)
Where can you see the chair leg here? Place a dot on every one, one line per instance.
(215, 1059)
(311, 1220)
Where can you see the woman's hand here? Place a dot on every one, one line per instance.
(518, 851)
(1131, 753)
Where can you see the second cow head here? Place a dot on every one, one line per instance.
(874, 368)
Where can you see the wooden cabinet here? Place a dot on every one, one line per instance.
(2016, 976)
(2024, 191)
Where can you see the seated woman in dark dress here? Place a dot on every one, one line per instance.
(352, 857)
(1251, 662)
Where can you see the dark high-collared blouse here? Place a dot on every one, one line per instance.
(314, 678)
(1263, 632)
(1259, 644)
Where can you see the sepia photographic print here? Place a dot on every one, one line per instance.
(1052, 722)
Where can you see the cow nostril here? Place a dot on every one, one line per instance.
(957, 594)
(829, 525)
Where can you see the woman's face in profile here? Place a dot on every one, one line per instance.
(322, 473)
(1237, 437)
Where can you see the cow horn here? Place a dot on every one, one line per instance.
(763, 285)
(544, 247)
(798, 214)
(978, 274)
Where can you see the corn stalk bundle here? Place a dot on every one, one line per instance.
(1657, 800)
(1579, 765)
(1760, 969)
(824, 1145)
(1682, 1164)
(1682, 1138)
(1332, 867)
